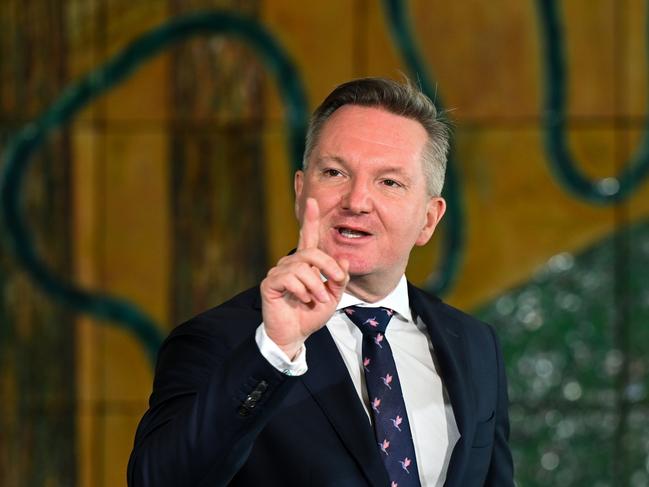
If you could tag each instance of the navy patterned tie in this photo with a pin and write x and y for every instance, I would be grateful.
(391, 425)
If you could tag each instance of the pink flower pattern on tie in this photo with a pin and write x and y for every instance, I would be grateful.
(396, 422)
(372, 322)
(387, 407)
(384, 446)
(375, 405)
(405, 463)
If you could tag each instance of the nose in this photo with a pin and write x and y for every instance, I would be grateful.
(357, 197)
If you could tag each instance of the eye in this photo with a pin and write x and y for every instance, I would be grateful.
(332, 173)
(391, 183)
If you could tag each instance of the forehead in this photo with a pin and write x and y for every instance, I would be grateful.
(371, 133)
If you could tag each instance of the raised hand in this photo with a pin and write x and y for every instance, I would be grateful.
(295, 300)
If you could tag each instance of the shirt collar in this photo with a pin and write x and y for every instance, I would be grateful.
(397, 300)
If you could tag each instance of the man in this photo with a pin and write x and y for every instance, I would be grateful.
(280, 385)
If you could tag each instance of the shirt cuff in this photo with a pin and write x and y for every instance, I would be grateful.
(276, 356)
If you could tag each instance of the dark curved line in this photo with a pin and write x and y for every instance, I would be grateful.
(32, 136)
(453, 243)
(561, 160)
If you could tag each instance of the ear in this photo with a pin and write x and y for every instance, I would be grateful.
(435, 210)
(298, 184)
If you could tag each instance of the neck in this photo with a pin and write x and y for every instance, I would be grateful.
(370, 289)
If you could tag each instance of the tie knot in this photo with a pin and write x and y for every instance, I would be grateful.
(369, 320)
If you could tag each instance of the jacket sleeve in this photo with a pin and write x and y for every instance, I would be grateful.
(211, 398)
(501, 469)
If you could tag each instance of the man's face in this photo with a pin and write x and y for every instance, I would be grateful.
(366, 175)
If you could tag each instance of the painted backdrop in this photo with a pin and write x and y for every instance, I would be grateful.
(148, 150)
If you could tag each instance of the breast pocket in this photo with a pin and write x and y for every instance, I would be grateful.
(484, 432)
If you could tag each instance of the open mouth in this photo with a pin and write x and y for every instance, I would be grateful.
(351, 233)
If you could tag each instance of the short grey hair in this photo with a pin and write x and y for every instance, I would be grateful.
(400, 99)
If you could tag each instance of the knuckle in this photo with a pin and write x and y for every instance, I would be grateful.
(304, 268)
(310, 251)
(263, 287)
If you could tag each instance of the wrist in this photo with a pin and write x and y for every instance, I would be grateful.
(291, 350)
(277, 357)
(289, 347)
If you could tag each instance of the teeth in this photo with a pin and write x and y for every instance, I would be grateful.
(351, 233)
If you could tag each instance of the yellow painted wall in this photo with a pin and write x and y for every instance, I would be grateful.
(485, 59)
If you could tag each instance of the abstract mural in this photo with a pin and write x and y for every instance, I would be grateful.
(146, 173)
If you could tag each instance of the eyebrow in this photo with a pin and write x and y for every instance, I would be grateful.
(324, 159)
(389, 169)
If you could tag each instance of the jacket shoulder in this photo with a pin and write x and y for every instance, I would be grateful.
(452, 317)
(242, 311)
(195, 348)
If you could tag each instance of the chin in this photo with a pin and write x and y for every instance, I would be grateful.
(358, 267)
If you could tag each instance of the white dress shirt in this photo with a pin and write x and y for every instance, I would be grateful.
(432, 423)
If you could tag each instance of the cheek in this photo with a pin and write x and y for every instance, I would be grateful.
(415, 234)
(327, 201)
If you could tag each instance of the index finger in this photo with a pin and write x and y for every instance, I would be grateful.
(310, 231)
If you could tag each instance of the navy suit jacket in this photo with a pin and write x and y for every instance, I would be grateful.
(220, 414)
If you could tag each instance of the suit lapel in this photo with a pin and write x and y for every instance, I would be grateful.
(328, 381)
(450, 350)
